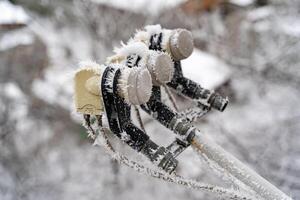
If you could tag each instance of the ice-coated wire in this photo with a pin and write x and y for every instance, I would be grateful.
(103, 141)
(223, 174)
(202, 144)
(229, 193)
(171, 97)
(139, 118)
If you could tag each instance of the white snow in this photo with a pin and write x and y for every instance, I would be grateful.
(15, 95)
(89, 64)
(242, 2)
(290, 26)
(138, 48)
(205, 69)
(153, 29)
(56, 87)
(260, 13)
(13, 39)
(11, 90)
(11, 14)
(285, 24)
(141, 6)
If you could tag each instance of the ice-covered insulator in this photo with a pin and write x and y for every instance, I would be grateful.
(181, 44)
(178, 42)
(137, 54)
(135, 85)
(161, 67)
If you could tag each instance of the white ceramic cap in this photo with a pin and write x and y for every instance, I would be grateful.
(138, 86)
(181, 44)
(161, 67)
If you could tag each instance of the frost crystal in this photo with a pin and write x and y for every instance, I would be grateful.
(11, 14)
(125, 137)
(153, 29)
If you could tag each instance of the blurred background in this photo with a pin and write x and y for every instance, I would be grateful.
(246, 49)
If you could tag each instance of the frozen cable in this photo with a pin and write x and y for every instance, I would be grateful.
(138, 115)
(171, 97)
(102, 140)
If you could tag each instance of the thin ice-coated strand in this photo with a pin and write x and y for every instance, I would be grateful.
(139, 118)
(223, 174)
(171, 98)
(102, 140)
(203, 144)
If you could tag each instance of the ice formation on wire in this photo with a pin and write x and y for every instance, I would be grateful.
(103, 141)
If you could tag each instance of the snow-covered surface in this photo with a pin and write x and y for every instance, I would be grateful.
(260, 13)
(12, 14)
(141, 6)
(56, 87)
(11, 90)
(285, 24)
(13, 39)
(206, 69)
(290, 26)
(138, 48)
(242, 2)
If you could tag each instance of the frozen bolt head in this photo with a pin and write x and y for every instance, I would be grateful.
(181, 44)
(161, 68)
